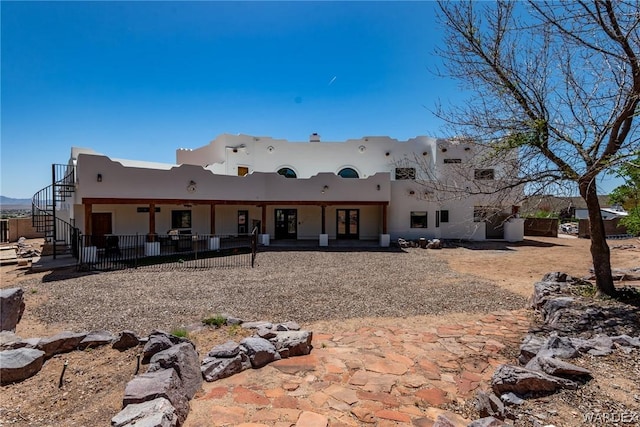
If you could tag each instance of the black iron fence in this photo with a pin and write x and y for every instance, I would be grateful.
(166, 251)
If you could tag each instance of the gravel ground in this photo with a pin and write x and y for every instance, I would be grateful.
(303, 286)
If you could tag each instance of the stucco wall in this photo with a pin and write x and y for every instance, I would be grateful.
(22, 227)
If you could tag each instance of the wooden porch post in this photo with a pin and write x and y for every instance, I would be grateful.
(324, 217)
(88, 209)
(152, 222)
(384, 219)
(212, 217)
(263, 221)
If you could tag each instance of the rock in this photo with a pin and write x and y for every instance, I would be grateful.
(152, 385)
(556, 276)
(434, 244)
(63, 342)
(287, 326)
(531, 345)
(266, 333)
(154, 413)
(488, 405)
(96, 339)
(20, 364)
(556, 367)
(228, 349)
(213, 368)
(487, 422)
(509, 378)
(443, 421)
(560, 347)
(234, 320)
(183, 358)
(11, 308)
(297, 343)
(511, 399)
(8, 340)
(626, 341)
(257, 325)
(158, 341)
(542, 292)
(553, 309)
(600, 345)
(126, 340)
(260, 351)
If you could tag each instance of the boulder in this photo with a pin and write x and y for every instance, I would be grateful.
(159, 384)
(11, 308)
(516, 379)
(214, 368)
(20, 364)
(626, 341)
(600, 345)
(154, 413)
(296, 343)
(228, 349)
(257, 325)
(266, 333)
(125, 340)
(511, 399)
(183, 358)
(287, 326)
(9, 340)
(560, 347)
(556, 367)
(260, 351)
(158, 341)
(96, 339)
(489, 405)
(63, 342)
(531, 345)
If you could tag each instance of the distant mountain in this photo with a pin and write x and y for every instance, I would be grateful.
(11, 203)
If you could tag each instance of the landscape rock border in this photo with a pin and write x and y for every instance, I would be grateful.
(571, 325)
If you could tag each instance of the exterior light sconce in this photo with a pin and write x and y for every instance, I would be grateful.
(444, 150)
(378, 187)
(387, 154)
(412, 192)
(424, 153)
(99, 177)
(235, 150)
(325, 188)
(467, 148)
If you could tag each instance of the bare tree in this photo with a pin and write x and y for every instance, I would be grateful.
(559, 83)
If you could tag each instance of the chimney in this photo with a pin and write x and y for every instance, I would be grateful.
(314, 137)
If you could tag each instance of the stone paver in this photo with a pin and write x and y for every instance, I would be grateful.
(375, 375)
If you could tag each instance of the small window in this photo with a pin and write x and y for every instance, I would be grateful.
(180, 219)
(348, 173)
(287, 173)
(483, 174)
(449, 161)
(480, 214)
(418, 220)
(243, 171)
(444, 216)
(405, 173)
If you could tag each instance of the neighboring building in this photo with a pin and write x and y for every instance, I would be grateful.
(368, 189)
(607, 213)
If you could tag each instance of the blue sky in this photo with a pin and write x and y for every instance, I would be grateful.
(139, 79)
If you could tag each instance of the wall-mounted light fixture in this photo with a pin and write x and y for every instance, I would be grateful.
(192, 182)
(412, 192)
(444, 150)
(99, 177)
(387, 154)
(325, 188)
(424, 153)
(378, 187)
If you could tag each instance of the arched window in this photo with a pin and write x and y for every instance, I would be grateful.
(348, 173)
(287, 173)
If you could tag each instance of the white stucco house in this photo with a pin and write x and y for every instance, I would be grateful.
(371, 188)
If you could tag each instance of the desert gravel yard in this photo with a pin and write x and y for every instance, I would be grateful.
(303, 286)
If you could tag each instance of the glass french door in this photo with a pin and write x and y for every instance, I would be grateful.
(347, 223)
(286, 223)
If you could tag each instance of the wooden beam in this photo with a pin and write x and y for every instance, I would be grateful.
(137, 201)
(212, 218)
(324, 219)
(384, 219)
(88, 209)
(263, 221)
(152, 219)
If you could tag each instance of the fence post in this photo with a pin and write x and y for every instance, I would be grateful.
(135, 251)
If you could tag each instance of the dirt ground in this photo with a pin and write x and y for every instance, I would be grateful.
(93, 384)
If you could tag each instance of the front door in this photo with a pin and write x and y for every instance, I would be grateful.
(286, 224)
(348, 223)
(100, 226)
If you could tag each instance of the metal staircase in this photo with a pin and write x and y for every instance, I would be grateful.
(60, 235)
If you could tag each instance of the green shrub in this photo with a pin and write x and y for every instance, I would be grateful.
(217, 320)
(180, 332)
